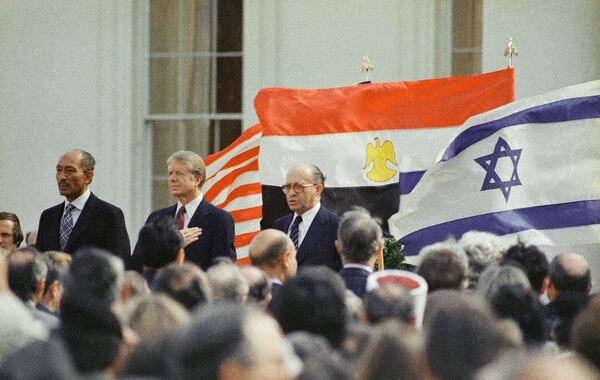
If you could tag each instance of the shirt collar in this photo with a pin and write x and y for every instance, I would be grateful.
(80, 201)
(359, 266)
(192, 205)
(276, 281)
(309, 215)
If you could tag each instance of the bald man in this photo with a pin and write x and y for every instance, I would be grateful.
(569, 285)
(273, 252)
(312, 227)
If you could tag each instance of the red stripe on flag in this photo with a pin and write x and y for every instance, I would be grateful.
(246, 214)
(247, 135)
(432, 103)
(241, 191)
(243, 261)
(244, 239)
(239, 159)
(226, 181)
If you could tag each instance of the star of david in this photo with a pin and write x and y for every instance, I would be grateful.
(488, 163)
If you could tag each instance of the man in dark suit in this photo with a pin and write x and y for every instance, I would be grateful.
(208, 232)
(312, 227)
(360, 241)
(273, 252)
(82, 219)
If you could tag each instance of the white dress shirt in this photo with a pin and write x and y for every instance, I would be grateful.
(190, 209)
(79, 204)
(307, 219)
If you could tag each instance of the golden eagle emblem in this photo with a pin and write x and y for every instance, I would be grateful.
(379, 154)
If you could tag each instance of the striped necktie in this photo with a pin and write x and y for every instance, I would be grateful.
(66, 226)
(295, 231)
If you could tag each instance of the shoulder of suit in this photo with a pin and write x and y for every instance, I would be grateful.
(99, 203)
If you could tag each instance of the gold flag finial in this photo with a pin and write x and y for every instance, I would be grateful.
(366, 67)
(510, 51)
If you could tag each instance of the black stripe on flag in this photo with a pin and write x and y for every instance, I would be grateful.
(381, 201)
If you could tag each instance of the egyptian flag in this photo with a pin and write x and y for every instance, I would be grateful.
(372, 141)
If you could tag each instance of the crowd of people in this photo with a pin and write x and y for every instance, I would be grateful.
(79, 304)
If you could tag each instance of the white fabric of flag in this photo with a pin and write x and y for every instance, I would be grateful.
(529, 168)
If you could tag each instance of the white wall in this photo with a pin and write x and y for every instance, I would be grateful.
(65, 82)
(558, 41)
(320, 43)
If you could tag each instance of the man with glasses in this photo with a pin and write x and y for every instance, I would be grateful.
(312, 227)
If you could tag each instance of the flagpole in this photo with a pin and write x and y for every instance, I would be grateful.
(510, 51)
(366, 67)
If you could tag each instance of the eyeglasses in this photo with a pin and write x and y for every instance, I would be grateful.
(297, 187)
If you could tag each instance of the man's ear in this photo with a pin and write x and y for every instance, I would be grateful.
(338, 247)
(89, 176)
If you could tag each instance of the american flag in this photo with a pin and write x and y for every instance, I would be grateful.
(233, 184)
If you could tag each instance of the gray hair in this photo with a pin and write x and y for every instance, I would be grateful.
(495, 277)
(317, 176)
(482, 249)
(359, 235)
(194, 162)
(228, 283)
(88, 163)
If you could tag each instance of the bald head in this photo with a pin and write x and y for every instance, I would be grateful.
(570, 272)
(273, 252)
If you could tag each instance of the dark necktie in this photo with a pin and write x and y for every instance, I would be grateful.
(66, 226)
(295, 231)
(180, 218)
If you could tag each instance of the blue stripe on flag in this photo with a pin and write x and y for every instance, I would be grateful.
(409, 180)
(570, 214)
(563, 110)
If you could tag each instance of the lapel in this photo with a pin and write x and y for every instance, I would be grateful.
(199, 218)
(313, 235)
(85, 219)
(55, 217)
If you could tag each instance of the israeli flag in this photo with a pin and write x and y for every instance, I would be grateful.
(530, 168)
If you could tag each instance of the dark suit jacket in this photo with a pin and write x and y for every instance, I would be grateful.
(275, 290)
(356, 280)
(100, 224)
(318, 246)
(218, 233)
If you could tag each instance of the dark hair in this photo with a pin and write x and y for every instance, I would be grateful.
(313, 301)
(186, 284)
(532, 260)
(442, 269)
(258, 283)
(461, 335)
(159, 241)
(215, 335)
(359, 235)
(17, 232)
(319, 360)
(26, 268)
(94, 273)
(389, 301)
(565, 281)
(524, 307)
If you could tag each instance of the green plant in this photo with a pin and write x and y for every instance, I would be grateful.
(393, 256)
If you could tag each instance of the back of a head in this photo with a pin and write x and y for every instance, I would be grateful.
(26, 268)
(482, 249)
(267, 247)
(391, 354)
(443, 266)
(159, 243)
(94, 274)
(570, 272)
(494, 277)
(258, 283)
(215, 334)
(523, 306)
(134, 285)
(227, 283)
(359, 236)
(313, 301)
(389, 301)
(185, 283)
(585, 334)
(532, 260)
(461, 335)
(319, 360)
(91, 331)
(155, 314)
